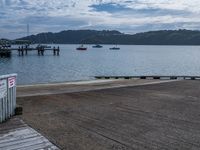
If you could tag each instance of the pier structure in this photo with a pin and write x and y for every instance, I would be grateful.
(5, 51)
(23, 50)
(151, 77)
(40, 50)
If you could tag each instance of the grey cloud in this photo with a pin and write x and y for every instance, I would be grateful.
(43, 16)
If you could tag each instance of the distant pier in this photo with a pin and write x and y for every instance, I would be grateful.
(151, 77)
(24, 50)
(5, 52)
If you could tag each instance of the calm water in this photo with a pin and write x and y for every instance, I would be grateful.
(74, 65)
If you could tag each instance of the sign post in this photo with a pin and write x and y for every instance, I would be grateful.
(11, 82)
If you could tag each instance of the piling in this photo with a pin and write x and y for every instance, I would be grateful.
(58, 51)
(54, 51)
(26, 49)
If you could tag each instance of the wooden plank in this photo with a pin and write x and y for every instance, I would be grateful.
(15, 135)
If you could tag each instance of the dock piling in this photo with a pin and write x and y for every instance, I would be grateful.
(58, 51)
(54, 51)
(22, 51)
(26, 49)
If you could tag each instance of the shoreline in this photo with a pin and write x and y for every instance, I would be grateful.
(82, 86)
(66, 83)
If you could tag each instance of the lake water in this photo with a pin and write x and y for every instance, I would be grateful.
(73, 65)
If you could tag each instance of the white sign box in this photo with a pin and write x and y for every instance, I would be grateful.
(3, 88)
(11, 82)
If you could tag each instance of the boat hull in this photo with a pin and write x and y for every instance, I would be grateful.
(97, 46)
(114, 48)
(81, 48)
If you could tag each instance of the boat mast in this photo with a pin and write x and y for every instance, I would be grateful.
(27, 30)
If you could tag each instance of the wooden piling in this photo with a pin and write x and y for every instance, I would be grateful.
(58, 51)
(22, 50)
(26, 49)
(54, 51)
(18, 50)
(42, 51)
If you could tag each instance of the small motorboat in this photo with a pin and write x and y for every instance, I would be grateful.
(81, 48)
(114, 48)
(97, 46)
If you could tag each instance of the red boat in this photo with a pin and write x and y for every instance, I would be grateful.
(81, 48)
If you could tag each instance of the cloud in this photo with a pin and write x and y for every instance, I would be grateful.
(125, 15)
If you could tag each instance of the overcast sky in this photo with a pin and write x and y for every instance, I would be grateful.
(128, 16)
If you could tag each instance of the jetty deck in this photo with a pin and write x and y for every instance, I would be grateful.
(145, 117)
(7, 52)
(15, 135)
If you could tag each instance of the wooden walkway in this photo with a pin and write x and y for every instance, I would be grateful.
(15, 135)
(151, 77)
(6, 52)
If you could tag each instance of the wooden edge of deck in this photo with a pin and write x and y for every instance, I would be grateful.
(15, 134)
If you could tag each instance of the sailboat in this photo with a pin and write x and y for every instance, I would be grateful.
(115, 48)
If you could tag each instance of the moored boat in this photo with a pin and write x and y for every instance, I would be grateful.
(115, 48)
(97, 46)
(81, 48)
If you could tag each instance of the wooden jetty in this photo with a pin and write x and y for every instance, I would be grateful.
(5, 52)
(15, 135)
(40, 50)
(151, 77)
(23, 50)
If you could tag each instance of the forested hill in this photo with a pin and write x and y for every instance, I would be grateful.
(163, 37)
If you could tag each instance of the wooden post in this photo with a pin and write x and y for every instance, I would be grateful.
(58, 51)
(38, 49)
(26, 49)
(54, 51)
(19, 50)
(22, 51)
(42, 51)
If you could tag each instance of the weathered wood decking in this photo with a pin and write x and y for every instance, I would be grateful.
(16, 135)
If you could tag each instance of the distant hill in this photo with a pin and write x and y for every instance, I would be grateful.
(162, 37)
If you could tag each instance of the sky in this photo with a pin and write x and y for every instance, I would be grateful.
(127, 16)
